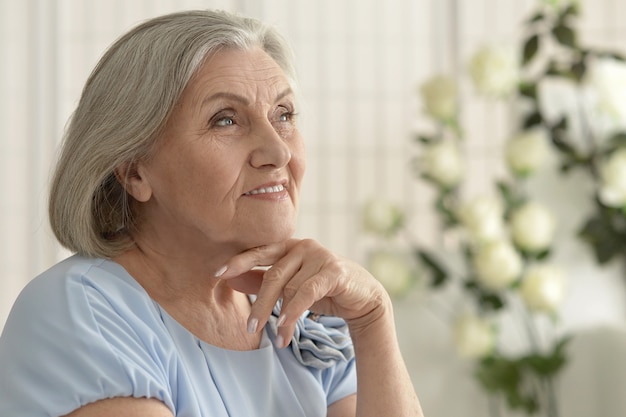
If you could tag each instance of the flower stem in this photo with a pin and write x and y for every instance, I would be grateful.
(494, 406)
(552, 407)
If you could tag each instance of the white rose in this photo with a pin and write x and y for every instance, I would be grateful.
(613, 174)
(482, 218)
(382, 218)
(497, 265)
(527, 151)
(474, 337)
(532, 227)
(607, 79)
(442, 162)
(393, 269)
(495, 70)
(559, 98)
(439, 95)
(542, 288)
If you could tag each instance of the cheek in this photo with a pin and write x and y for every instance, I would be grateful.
(182, 175)
(298, 160)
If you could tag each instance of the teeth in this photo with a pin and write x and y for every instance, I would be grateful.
(274, 189)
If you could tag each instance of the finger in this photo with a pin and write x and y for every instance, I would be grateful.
(271, 289)
(260, 256)
(306, 290)
(311, 293)
(306, 294)
(284, 335)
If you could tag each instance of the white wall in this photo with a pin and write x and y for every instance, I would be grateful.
(359, 63)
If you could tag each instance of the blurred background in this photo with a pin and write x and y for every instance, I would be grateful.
(360, 64)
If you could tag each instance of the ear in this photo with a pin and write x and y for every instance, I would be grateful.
(132, 177)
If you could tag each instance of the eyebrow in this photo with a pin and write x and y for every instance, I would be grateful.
(242, 99)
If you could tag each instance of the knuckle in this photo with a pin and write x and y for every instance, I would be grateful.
(290, 290)
(273, 274)
(308, 244)
(312, 288)
(335, 266)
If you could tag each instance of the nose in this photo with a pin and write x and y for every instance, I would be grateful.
(271, 149)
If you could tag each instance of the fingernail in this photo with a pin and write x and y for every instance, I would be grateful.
(252, 325)
(221, 271)
(279, 341)
(281, 320)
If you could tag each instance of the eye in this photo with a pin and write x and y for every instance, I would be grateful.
(224, 121)
(285, 115)
(224, 118)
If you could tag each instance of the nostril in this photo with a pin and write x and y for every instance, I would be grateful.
(271, 152)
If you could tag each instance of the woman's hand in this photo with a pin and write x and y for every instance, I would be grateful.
(308, 277)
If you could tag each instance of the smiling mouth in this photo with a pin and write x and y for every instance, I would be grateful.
(267, 190)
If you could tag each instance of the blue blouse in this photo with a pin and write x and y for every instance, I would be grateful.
(86, 330)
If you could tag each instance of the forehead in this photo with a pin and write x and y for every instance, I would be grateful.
(241, 71)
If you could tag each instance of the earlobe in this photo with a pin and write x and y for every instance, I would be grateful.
(131, 177)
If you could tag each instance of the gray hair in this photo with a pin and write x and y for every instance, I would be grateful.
(122, 111)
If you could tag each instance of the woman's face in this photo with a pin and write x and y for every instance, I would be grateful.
(229, 165)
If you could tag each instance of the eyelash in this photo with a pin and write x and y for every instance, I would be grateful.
(221, 117)
(290, 116)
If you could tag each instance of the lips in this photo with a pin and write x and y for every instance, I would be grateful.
(266, 190)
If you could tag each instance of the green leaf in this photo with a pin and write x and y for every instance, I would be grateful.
(545, 365)
(558, 138)
(567, 166)
(604, 234)
(617, 56)
(579, 69)
(528, 90)
(425, 139)
(554, 71)
(438, 273)
(506, 192)
(571, 10)
(561, 125)
(511, 198)
(539, 256)
(531, 46)
(564, 35)
(500, 375)
(496, 373)
(532, 119)
(548, 365)
(490, 302)
(442, 205)
(537, 17)
(618, 140)
(487, 300)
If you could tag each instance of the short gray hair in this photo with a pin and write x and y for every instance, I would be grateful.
(122, 111)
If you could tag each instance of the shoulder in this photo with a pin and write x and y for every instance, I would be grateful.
(58, 286)
(81, 331)
(80, 294)
(79, 290)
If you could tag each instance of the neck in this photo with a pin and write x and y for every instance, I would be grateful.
(190, 293)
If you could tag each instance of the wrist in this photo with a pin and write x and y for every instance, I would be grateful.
(379, 317)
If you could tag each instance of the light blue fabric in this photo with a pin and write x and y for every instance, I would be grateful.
(86, 330)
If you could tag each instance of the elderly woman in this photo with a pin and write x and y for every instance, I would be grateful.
(177, 187)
